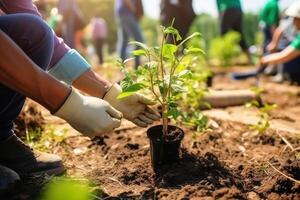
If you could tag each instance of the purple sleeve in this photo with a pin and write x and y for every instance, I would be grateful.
(26, 6)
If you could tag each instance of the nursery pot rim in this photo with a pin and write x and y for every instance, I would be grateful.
(155, 135)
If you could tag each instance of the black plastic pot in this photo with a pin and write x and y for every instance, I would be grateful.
(162, 151)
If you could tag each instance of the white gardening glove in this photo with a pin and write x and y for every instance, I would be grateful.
(89, 115)
(135, 108)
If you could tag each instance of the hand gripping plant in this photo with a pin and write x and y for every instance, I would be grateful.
(167, 76)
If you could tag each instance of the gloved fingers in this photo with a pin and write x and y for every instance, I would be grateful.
(152, 114)
(114, 113)
(144, 100)
(116, 123)
(139, 122)
(145, 119)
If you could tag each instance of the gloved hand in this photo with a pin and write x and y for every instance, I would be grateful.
(89, 115)
(135, 108)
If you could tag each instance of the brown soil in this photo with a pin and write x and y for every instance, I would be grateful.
(30, 119)
(227, 162)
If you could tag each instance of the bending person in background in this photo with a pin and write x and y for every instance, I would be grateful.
(128, 13)
(283, 36)
(290, 56)
(231, 19)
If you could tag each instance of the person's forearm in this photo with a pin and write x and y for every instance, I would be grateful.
(281, 57)
(277, 36)
(92, 84)
(273, 28)
(19, 73)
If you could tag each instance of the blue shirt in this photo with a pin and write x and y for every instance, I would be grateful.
(122, 9)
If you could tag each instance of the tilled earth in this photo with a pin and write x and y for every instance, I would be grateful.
(229, 161)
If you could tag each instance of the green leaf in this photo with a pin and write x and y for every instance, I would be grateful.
(126, 82)
(172, 31)
(139, 44)
(125, 94)
(169, 51)
(128, 60)
(173, 104)
(193, 50)
(151, 66)
(190, 37)
(139, 52)
(173, 112)
(131, 90)
(268, 107)
(177, 88)
(185, 74)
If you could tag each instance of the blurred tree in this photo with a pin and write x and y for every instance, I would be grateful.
(207, 25)
(225, 49)
(149, 28)
(250, 27)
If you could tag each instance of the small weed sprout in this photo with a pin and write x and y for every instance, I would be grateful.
(45, 140)
(168, 76)
(264, 117)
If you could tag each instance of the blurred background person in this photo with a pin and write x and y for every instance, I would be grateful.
(99, 34)
(181, 11)
(290, 56)
(128, 13)
(72, 22)
(269, 20)
(283, 36)
(231, 19)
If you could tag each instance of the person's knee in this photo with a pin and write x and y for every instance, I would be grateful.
(26, 30)
(32, 35)
(37, 29)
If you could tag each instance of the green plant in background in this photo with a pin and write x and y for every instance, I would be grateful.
(149, 27)
(226, 48)
(69, 189)
(250, 28)
(191, 100)
(45, 140)
(167, 76)
(208, 24)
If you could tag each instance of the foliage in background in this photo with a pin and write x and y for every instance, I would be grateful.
(45, 140)
(69, 189)
(208, 25)
(167, 76)
(250, 28)
(150, 30)
(204, 23)
(226, 48)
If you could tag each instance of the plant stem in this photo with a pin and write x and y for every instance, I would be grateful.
(164, 119)
(164, 92)
(152, 83)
